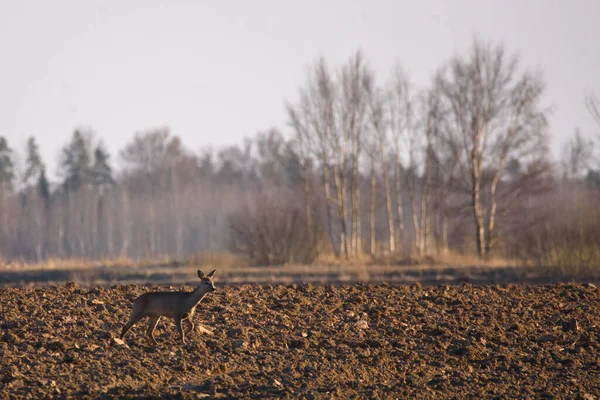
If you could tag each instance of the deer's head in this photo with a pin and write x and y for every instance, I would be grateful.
(206, 282)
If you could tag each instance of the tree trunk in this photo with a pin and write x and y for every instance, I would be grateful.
(98, 236)
(39, 223)
(476, 202)
(424, 229)
(399, 202)
(152, 233)
(492, 220)
(353, 211)
(63, 227)
(126, 224)
(388, 198)
(3, 220)
(328, 216)
(424, 223)
(413, 209)
(373, 244)
(341, 206)
(60, 251)
(491, 239)
(356, 236)
(444, 233)
(178, 211)
(307, 198)
(110, 228)
(81, 209)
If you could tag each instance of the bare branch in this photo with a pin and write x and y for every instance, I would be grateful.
(593, 105)
(494, 115)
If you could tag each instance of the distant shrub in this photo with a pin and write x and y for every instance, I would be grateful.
(570, 239)
(272, 230)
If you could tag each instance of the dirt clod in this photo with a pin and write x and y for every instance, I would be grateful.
(202, 329)
(118, 342)
(56, 345)
(570, 325)
(239, 344)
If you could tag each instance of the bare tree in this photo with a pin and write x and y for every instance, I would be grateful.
(331, 116)
(147, 152)
(372, 208)
(593, 105)
(442, 155)
(314, 120)
(576, 156)
(430, 124)
(473, 147)
(495, 115)
(379, 122)
(303, 142)
(401, 120)
(356, 80)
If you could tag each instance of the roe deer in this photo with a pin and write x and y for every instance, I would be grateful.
(180, 306)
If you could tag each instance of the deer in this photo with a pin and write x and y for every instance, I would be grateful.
(180, 306)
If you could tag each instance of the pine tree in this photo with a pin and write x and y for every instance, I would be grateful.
(101, 170)
(34, 164)
(43, 186)
(7, 175)
(7, 168)
(75, 161)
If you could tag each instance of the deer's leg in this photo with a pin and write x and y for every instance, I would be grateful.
(151, 328)
(134, 318)
(191, 325)
(179, 328)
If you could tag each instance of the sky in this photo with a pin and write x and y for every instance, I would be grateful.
(217, 71)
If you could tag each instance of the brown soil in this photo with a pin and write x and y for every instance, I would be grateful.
(359, 341)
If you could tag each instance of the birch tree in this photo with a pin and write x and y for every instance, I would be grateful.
(431, 115)
(356, 81)
(313, 119)
(401, 121)
(496, 114)
(379, 123)
(303, 143)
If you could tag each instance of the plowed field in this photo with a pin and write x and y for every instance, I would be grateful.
(272, 341)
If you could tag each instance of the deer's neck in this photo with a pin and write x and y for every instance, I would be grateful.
(195, 297)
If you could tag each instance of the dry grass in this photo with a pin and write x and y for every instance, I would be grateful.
(78, 263)
(450, 269)
(227, 262)
(456, 259)
(446, 259)
(215, 259)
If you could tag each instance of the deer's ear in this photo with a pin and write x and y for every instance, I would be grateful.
(211, 273)
(201, 274)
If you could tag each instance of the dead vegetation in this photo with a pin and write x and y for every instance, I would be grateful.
(369, 341)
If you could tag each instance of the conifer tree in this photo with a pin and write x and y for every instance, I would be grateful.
(33, 163)
(75, 161)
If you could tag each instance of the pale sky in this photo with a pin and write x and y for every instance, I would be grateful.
(216, 71)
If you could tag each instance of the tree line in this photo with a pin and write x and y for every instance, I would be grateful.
(363, 167)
